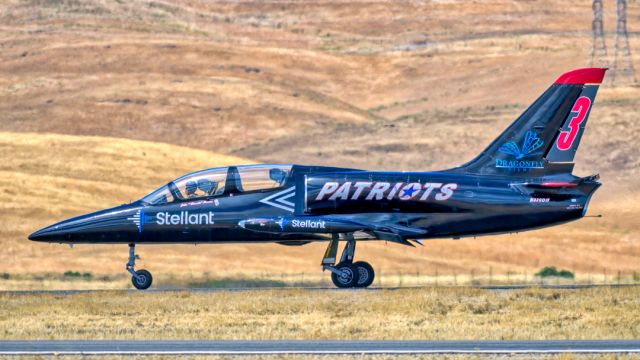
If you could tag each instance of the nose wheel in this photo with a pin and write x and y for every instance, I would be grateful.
(347, 274)
(140, 279)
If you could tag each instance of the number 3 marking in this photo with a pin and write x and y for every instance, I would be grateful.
(566, 138)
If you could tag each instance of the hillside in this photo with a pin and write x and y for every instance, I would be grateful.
(46, 178)
(383, 85)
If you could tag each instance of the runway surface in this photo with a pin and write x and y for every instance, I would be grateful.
(210, 290)
(178, 347)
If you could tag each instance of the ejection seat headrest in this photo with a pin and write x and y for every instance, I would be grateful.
(233, 185)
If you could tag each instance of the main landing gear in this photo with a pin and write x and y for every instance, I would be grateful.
(347, 274)
(141, 279)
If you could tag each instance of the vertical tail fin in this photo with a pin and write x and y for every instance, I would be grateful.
(545, 138)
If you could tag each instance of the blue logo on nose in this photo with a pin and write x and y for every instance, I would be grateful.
(139, 219)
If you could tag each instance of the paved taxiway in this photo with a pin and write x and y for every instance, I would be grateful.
(183, 347)
(211, 290)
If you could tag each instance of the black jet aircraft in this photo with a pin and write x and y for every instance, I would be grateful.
(523, 180)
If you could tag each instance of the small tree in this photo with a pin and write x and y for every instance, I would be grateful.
(551, 271)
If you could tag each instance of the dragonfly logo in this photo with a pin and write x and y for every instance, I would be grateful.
(530, 144)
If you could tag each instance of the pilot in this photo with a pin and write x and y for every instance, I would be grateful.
(191, 188)
(207, 186)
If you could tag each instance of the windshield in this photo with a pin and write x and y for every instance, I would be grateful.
(220, 181)
(159, 197)
(191, 186)
(201, 184)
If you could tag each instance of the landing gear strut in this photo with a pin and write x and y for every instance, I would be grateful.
(347, 274)
(141, 279)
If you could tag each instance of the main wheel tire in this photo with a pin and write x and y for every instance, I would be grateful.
(143, 280)
(348, 277)
(366, 274)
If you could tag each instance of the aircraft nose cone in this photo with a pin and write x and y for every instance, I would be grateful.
(109, 225)
(50, 233)
(39, 235)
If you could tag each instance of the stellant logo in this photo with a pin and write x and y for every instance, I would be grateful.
(530, 144)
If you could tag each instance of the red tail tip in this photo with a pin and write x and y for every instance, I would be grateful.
(582, 76)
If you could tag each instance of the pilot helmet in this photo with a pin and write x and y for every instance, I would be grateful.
(191, 187)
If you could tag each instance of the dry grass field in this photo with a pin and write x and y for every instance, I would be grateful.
(437, 314)
(147, 90)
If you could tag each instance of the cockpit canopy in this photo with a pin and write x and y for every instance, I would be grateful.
(221, 181)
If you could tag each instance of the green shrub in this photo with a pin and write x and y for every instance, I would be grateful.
(78, 275)
(551, 271)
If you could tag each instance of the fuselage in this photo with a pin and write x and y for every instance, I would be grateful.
(314, 202)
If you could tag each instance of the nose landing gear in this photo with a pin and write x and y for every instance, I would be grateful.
(141, 279)
(347, 274)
